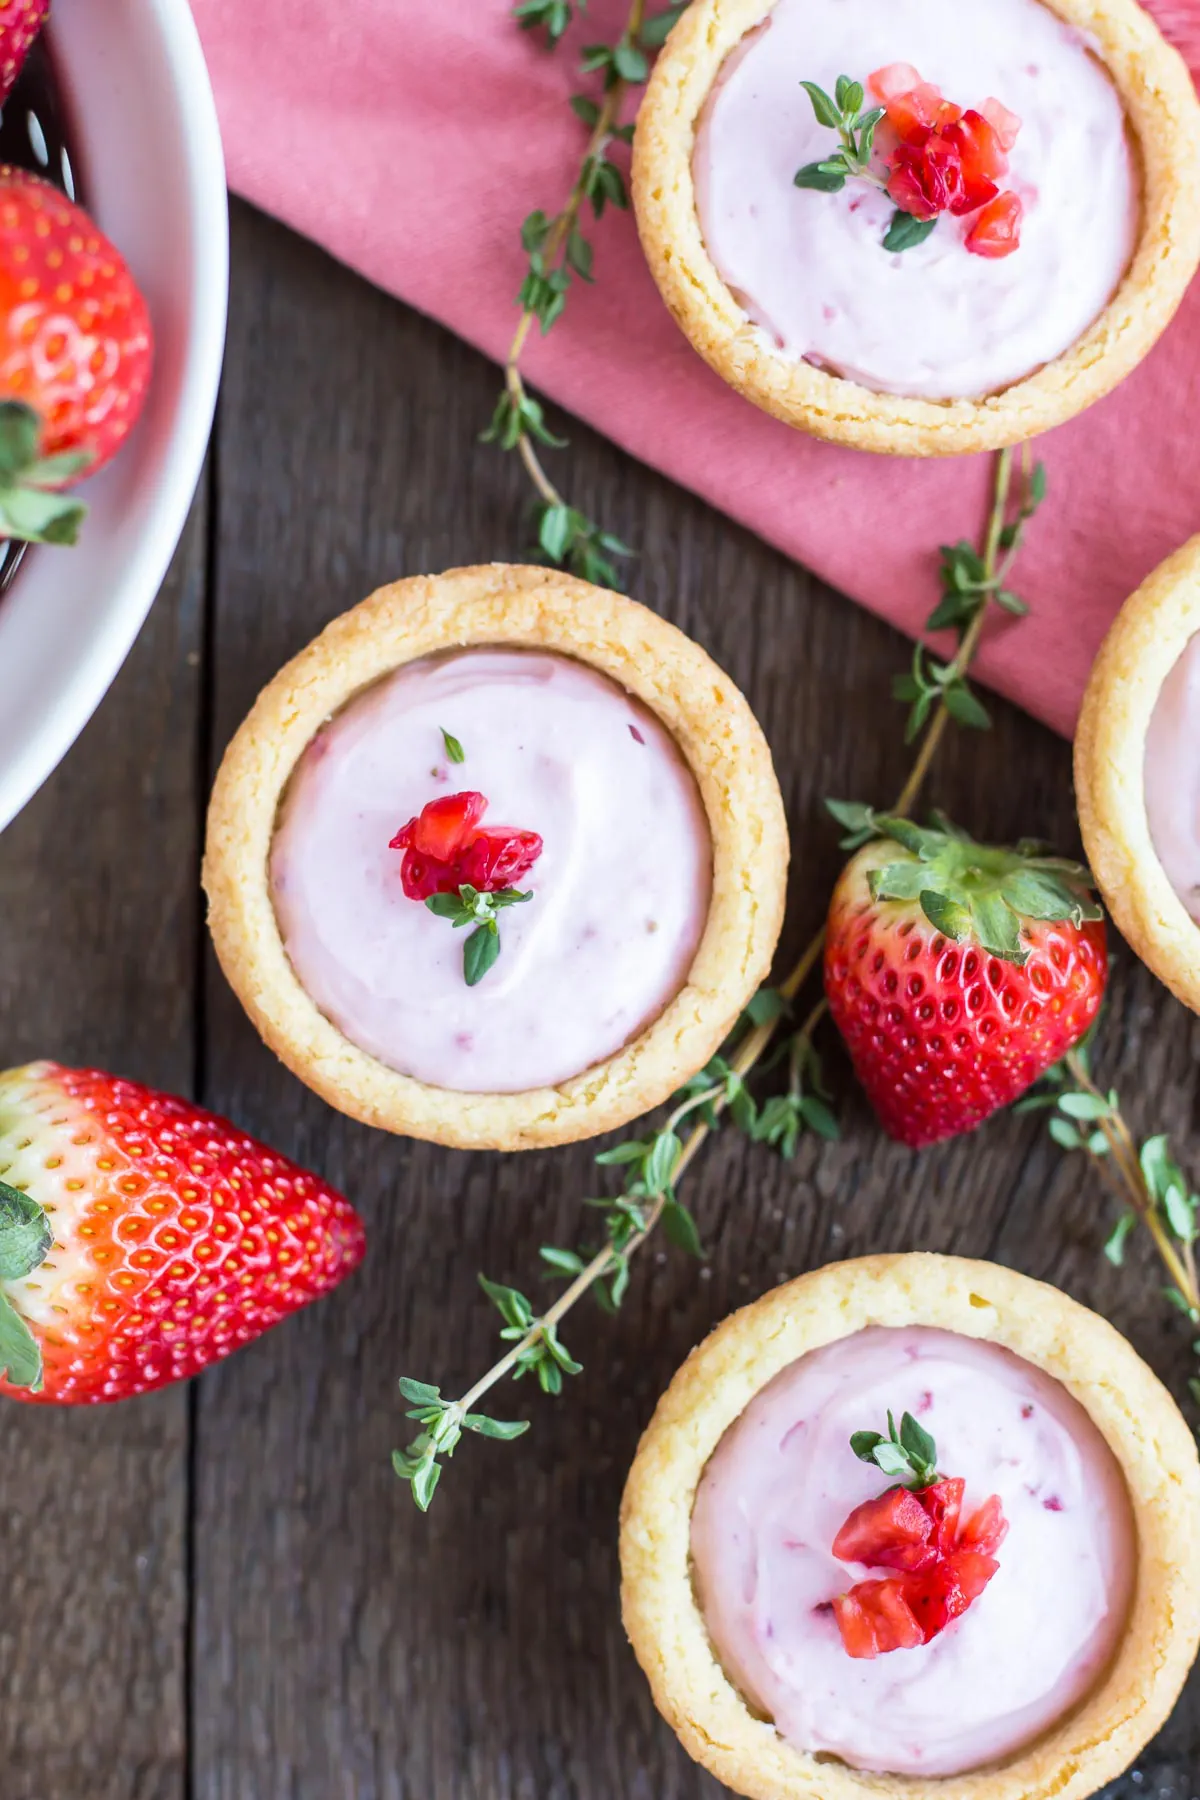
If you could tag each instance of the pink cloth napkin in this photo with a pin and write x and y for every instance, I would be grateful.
(411, 138)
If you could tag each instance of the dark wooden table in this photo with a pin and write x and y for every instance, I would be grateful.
(221, 1592)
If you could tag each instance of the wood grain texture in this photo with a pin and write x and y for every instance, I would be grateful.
(345, 1648)
(97, 965)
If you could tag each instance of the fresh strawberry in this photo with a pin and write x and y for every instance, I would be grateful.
(997, 230)
(20, 22)
(956, 973)
(75, 356)
(142, 1239)
(893, 1531)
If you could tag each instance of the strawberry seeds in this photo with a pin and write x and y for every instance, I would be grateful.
(941, 1566)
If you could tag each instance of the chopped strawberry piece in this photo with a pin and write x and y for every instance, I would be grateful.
(981, 157)
(926, 179)
(997, 230)
(875, 1617)
(445, 825)
(1004, 123)
(972, 1572)
(893, 78)
(498, 857)
(986, 1529)
(942, 1504)
(915, 115)
(423, 876)
(893, 1531)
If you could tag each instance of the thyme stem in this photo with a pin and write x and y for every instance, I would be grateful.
(757, 1039)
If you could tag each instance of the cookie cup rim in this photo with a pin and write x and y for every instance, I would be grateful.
(1161, 106)
(1143, 644)
(514, 607)
(1126, 1401)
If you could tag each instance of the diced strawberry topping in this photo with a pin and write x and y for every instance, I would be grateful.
(1004, 123)
(875, 1617)
(942, 1504)
(942, 1566)
(499, 857)
(981, 159)
(893, 78)
(914, 108)
(986, 1529)
(997, 230)
(442, 827)
(891, 1532)
(421, 876)
(444, 849)
(927, 179)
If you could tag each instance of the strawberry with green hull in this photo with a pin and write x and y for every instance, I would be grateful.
(76, 349)
(142, 1239)
(20, 22)
(956, 973)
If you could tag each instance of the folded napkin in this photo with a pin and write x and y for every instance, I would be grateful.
(411, 139)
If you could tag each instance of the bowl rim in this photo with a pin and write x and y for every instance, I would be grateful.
(178, 473)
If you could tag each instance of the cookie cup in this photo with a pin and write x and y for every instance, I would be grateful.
(496, 605)
(1164, 116)
(1146, 640)
(1130, 1407)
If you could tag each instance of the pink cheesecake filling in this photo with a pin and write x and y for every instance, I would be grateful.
(620, 891)
(1172, 777)
(784, 1479)
(933, 321)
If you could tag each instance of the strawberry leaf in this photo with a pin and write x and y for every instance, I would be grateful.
(20, 1352)
(25, 1235)
(998, 927)
(945, 915)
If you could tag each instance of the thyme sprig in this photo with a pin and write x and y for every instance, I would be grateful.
(559, 252)
(973, 581)
(907, 1455)
(1144, 1178)
(844, 113)
(471, 906)
(654, 1164)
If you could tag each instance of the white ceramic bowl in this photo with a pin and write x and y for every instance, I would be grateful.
(143, 123)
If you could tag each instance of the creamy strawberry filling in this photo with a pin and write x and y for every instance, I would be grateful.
(935, 321)
(618, 890)
(1040, 1623)
(1172, 777)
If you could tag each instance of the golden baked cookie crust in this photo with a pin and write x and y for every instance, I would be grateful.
(1129, 1405)
(1161, 105)
(498, 604)
(1146, 640)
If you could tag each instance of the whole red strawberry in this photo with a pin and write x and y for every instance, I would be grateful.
(76, 349)
(957, 973)
(142, 1239)
(20, 22)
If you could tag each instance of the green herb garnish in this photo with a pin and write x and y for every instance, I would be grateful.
(471, 907)
(908, 1455)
